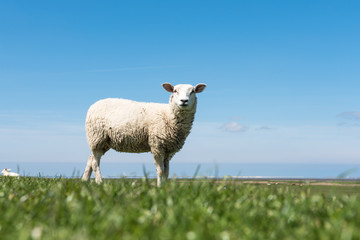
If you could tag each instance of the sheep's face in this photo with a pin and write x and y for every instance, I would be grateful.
(184, 95)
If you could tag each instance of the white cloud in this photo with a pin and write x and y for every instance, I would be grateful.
(353, 116)
(234, 127)
(349, 119)
(348, 124)
(264, 128)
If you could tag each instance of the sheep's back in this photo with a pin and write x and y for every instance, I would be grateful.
(122, 124)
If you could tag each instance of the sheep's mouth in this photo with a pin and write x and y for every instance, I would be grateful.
(183, 105)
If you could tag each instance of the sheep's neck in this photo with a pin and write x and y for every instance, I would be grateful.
(183, 121)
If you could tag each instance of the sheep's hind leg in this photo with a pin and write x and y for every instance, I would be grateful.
(95, 165)
(88, 169)
(166, 168)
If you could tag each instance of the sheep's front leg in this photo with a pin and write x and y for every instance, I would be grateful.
(167, 165)
(160, 169)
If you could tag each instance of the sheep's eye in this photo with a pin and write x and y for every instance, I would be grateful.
(174, 91)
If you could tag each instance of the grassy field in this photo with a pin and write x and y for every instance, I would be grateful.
(40, 208)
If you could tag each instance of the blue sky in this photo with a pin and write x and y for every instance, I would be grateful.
(283, 76)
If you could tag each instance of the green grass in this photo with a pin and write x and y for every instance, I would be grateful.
(40, 208)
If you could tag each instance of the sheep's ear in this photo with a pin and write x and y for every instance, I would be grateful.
(200, 87)
(168, 87)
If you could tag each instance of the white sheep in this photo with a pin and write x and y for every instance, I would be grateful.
(137, 127)
(6, 172)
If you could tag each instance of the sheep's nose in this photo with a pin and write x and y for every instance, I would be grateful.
(184, 100)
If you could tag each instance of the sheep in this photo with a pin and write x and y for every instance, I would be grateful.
(6, 172)
(137, 127)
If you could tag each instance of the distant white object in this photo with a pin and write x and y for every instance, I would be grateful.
(6, 172)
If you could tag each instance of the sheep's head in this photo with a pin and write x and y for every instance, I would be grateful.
(184, 95)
